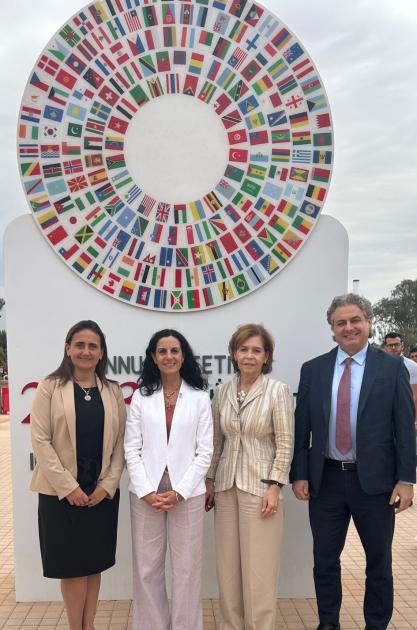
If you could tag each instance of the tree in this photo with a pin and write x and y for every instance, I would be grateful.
(399, 313)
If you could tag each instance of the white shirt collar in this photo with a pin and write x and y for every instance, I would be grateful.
(359, 357)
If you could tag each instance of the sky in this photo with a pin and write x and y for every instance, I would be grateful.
(366, 54)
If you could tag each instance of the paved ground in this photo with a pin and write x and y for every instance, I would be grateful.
(296, 614)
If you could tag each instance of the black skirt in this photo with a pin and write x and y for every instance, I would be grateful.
(77, 541)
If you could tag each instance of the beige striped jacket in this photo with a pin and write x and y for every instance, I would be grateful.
(254, 442)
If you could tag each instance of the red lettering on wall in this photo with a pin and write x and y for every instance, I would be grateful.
(31, 385)
(132, 386)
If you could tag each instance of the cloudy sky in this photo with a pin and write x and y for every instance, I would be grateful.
(366, 53)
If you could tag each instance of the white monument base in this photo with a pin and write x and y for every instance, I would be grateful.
(45, 298)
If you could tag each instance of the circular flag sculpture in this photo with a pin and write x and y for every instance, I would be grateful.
(176, 155)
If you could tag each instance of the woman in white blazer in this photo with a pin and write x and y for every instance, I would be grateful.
(168, 449)
(253, 447)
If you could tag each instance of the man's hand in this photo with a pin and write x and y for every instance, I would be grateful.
(405, 493)
(300, 489)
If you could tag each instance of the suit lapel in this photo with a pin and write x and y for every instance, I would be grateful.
(159, 408)
(326, 379)
(67, 392)
(107, 404)
(178, 411)
(255, 391)
(232, 393)
(369, 374)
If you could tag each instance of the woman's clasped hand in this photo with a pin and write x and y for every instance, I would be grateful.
(163, 501)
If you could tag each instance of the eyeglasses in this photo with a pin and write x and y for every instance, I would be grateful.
(393, 345)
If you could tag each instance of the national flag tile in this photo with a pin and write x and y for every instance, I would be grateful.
(299, 174)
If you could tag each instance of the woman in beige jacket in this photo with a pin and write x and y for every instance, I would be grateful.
(77, 423)
(253, 446)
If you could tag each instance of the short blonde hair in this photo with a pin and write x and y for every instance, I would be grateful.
(243, 333)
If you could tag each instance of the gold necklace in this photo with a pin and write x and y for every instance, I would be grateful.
(241, 394)
(169, 395)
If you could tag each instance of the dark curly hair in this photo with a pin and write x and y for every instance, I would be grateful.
(150, 377)
(65, 370)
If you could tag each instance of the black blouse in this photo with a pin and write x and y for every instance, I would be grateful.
(89, 431)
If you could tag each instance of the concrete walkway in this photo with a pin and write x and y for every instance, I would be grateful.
(296, 614)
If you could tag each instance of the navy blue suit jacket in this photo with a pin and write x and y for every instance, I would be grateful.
(385, 437)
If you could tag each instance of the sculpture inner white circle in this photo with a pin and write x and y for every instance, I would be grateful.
(176, 148)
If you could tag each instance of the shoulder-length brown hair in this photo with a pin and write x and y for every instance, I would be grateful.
(65, 370)
(243, 333)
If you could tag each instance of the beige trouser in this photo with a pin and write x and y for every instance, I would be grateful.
(247, 558)
(182, 528)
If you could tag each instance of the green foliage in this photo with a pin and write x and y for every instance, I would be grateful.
(398, 313)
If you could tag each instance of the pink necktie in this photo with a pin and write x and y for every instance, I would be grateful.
(343, 433)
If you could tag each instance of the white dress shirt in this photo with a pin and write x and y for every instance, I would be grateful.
(412, 369)
(357, 369)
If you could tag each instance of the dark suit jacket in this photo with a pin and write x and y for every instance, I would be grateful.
(385, 437)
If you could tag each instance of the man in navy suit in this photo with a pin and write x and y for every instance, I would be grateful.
(354, 457)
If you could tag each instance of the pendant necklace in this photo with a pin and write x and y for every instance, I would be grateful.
(168, 396)
(241, 394)
(87, 396)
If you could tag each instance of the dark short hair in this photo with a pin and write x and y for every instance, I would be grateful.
(413, 349)
(350, 299)
(243, 333)
(393, 335)
(150, 377)
(65, 370)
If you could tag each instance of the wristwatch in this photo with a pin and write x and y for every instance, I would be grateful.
(271, 482)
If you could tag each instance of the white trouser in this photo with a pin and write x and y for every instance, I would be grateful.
(182, 529)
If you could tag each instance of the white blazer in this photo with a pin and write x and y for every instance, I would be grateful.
(188, 453)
